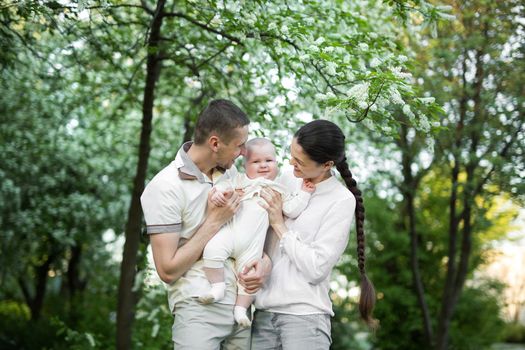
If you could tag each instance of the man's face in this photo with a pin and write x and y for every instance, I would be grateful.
(261, 162)
(228, 152)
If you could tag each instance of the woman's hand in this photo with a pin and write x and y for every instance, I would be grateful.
(274, 207)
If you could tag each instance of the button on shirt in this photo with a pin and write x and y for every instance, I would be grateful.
(304, 258)
(174, 202)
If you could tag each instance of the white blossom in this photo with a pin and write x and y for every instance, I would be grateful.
(368, 123)
(395, 96)
(359, 92)
(272, 26)
(402, 58)
(427, 100)
(250, 19)
(363, 46)
(430, 144)
(193, 82)
(331, 68)
(320, 97)
(216, 20)
(424, 124)
(309, 20)
(381, 102)
(328, 49)
(313, 48)
(319, 40)
(304, 57)
(284, 29)
(362, 65)
(408, 112)
(362, 104)
(374, 62)
(399, 74)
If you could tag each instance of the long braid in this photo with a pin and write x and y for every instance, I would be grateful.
(324, 141)
(367, 298)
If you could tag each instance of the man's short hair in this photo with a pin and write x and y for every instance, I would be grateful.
(221, 117)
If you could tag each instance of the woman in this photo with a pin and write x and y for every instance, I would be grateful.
(293, 307)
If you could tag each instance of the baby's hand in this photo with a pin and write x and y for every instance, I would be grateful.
(220, 199)
(308, 186)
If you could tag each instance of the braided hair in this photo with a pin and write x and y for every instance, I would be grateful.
(324, 141)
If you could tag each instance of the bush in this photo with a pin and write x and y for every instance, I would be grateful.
(514, 333)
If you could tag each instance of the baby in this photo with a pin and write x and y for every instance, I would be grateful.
(243, 237)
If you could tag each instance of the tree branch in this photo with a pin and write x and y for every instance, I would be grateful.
(203, 26)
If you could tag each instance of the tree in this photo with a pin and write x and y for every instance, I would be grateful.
(471, 69)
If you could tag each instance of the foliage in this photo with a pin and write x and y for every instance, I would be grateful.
(481, 304)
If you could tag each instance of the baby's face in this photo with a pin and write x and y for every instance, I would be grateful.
(261, 162)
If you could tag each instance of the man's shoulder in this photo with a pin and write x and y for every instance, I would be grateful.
(232, 172)
(164, 180)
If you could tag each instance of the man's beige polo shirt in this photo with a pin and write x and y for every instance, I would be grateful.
(174, 202)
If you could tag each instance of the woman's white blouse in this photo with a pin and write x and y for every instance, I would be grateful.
(304, 258)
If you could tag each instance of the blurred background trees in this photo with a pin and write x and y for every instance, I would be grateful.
(97, 96)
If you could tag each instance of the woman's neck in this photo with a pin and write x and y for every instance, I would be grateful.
(321, 177)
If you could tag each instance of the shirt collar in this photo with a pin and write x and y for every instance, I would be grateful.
(187, 168)
(327, 184)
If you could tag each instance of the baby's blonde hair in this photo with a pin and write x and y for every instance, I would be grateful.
(257, 142)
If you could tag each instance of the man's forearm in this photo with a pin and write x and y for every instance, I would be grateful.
(184, 257)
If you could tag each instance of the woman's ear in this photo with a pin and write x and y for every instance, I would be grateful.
(328, 165)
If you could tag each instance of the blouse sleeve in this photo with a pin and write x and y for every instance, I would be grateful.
(295, 203)
(316, 259)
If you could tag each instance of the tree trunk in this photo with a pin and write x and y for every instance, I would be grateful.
(36, 301)
(409, 188)
(127, 299)
(73, 280)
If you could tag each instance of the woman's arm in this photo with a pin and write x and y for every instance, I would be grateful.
(316, 259)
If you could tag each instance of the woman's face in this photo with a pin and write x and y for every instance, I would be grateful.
(306, 168)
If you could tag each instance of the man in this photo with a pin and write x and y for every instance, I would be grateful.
(181, 219)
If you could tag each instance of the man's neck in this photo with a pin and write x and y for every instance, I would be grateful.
(202, 157)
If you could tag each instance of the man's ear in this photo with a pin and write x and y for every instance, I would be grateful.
(213, 142)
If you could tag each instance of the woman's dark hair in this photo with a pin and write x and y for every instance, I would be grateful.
(323, 141)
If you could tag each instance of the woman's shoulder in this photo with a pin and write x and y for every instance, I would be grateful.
(342, 193)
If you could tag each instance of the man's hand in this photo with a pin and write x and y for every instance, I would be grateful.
(219, 215)
(255, 274)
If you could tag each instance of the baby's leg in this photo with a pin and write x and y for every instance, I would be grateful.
(251, 227)
(218, 288)
(240, 311)
(215, 253)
